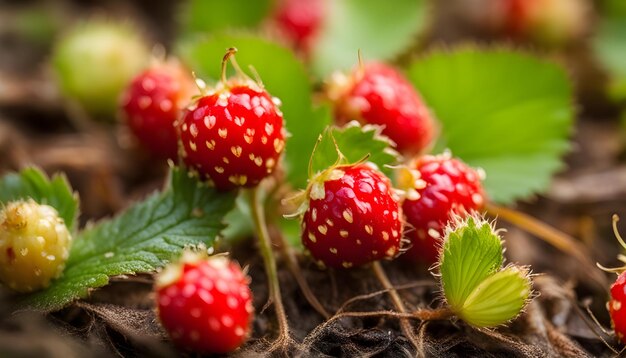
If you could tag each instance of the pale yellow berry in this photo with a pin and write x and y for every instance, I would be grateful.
(34, 245)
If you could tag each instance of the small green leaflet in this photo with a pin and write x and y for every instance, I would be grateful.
(283, 75)
(355, 142)
(142, 239)
(380, 29)
(474, 284)
(33, 183)
(506, 112)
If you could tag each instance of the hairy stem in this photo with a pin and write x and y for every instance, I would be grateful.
(265, 246)
(422, 314)
(551, 235)
(437, 314)
(405, 324)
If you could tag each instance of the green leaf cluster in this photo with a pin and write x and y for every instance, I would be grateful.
(476, 287)
(142, 239)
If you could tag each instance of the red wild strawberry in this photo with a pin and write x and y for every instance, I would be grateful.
(353, 217)
(204, 303)
(300, 21)
(376, 93)
(233, 135)
(152, 103)
(438, 188)
(617, 307)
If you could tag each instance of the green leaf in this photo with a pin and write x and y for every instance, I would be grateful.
(355, 142)
(33, 183)
(471, 253)
(238, 221)
(291, 231)
(381, 29)
(498, 299)
(506, 112)
(610, 46)
(283, 75)
(142, 239)
(206, 16)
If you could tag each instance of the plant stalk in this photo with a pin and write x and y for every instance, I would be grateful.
(265, 246)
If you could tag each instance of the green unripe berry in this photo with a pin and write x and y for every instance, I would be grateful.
(34, 245)
(95, 61)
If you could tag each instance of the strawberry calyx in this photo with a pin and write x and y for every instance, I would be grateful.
(223, 87)
(341, 83)
(14, 216)
(190, 256)
(316, 187)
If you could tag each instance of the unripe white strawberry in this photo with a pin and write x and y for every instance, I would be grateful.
(34, 245)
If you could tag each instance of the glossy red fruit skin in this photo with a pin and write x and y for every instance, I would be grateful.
(358, 221)
(378, 94)
(617, 307)
(300, 21)
(234, 136)
(152, 103)
(208, 309)
(447, 187)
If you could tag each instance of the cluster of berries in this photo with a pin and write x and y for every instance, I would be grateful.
(353, 215)
(234, 136)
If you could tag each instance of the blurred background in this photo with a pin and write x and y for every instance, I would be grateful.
(60, 91)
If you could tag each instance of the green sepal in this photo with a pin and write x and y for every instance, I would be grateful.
(355, 142)
(35, 184)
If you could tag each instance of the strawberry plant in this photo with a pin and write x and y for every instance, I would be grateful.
(140, 240)
(360, 199)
